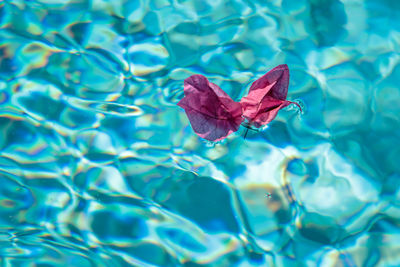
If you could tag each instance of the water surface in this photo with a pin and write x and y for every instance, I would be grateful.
(99, 167)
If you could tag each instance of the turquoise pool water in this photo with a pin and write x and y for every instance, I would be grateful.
(100, 167)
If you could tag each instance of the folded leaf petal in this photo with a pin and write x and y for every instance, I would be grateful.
(267, 96)
(211, 112)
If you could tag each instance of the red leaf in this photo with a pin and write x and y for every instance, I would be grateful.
(267, 96)
(211, 112)
(214, 115)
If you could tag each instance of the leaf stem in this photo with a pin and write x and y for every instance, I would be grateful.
(245, 134)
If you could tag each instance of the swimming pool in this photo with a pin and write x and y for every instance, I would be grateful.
(100, 167)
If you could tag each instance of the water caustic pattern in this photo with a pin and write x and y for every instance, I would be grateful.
(100, 167)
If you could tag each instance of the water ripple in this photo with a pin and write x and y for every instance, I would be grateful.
(101, 168)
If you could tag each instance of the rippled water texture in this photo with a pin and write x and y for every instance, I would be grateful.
(100, 167)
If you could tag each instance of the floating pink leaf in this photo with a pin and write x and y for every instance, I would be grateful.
(214, 115)
(211, 112)
(267, 96)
